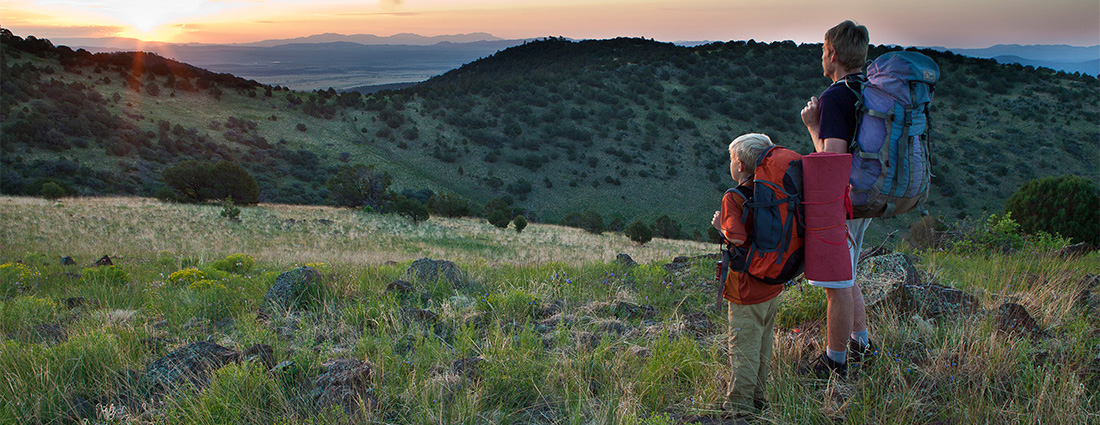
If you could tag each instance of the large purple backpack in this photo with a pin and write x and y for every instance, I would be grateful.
(891, 169)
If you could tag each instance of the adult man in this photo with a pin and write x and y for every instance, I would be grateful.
(831, 122)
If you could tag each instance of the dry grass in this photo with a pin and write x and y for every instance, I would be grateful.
(286, 234)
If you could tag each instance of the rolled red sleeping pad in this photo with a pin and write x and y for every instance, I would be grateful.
(825, 183)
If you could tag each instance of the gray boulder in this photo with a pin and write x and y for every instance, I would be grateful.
(427, 270)
(192, 363)
(294, 289)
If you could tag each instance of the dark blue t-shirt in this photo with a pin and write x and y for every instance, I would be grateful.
(838, 110)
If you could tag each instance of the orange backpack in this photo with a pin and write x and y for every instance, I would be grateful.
(774, 251)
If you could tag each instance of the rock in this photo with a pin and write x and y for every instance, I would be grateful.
(399, 287)
(46, 333)
(698, 324)
(627, 310)
(587, 341)
(420, 315)
(640, 351)
(1076, 250)
(344, 383)
(625, 260)
(191, 363)
(79, 408)
(427, 270)
(1014, 318)
(931, 300)
(469, 367)
(263, 353)
(294, 289)
(612, 325)
(552, 309)
(105, 261)
(892, 280)
(68, 261)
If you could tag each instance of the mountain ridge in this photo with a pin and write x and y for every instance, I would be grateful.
(629, 128)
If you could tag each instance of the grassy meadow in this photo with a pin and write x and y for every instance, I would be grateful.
(538, 317)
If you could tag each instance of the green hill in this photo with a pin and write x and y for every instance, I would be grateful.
(629, 128)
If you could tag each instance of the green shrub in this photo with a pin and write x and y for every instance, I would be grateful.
(52, 191)
(520, 222)
(639, 232)
(230, 211)
(591, 221)
(235, 263)
(110, 275)
(499, 218)
(1066, 205)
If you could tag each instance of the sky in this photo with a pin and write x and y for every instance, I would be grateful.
(948, 23)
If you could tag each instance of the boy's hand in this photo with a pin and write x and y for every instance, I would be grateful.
(811, 115)
(717, 221)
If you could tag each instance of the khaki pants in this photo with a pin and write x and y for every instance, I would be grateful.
(751, 336)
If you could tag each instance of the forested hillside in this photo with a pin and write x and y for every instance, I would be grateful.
(630, 129)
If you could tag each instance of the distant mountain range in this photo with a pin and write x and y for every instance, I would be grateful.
(347, 62)
(1085, 60)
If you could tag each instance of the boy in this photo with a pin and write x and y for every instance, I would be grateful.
(752, 304)
(831, 123)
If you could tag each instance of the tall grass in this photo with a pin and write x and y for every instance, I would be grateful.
(528, 337)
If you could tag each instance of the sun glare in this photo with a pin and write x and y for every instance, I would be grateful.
(147, 19)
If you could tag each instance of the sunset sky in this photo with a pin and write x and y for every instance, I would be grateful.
(950, 23)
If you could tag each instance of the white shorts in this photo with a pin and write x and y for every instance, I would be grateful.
(856, 228)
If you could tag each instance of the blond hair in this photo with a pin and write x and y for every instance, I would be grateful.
(747, 148)
(849, 41)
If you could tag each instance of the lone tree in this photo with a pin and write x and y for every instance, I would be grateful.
(359, 186)
(521, 223)
(199, 181)
(1067, 205)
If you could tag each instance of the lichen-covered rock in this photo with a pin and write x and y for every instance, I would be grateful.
(698, 324)
(262, 353)
(399, 287)
(627, 310)
(892, 280)
(1014, 318)
(192, 363)
(427, 270)
(344, 383)
(625, 260)
(294, 289)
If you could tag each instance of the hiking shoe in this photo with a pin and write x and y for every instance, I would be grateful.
(823, 366)
(861, 354)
